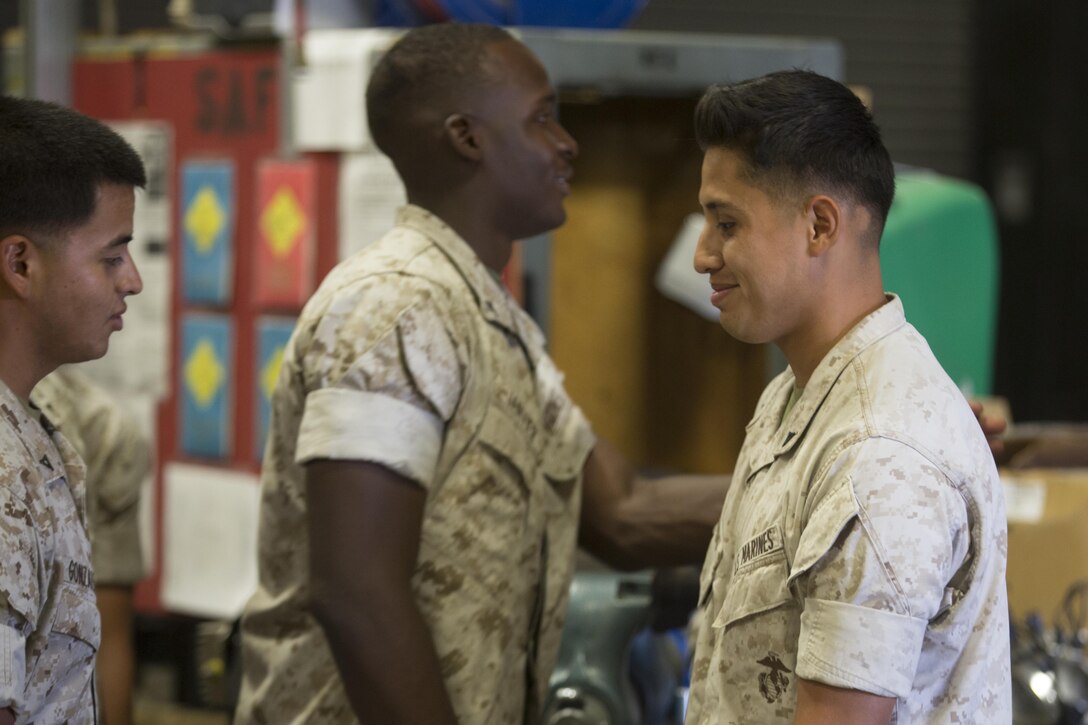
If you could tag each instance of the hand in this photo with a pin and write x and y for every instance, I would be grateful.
(993, 426)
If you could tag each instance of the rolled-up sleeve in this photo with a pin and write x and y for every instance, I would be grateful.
(359, 425)
(388, 383)
(859, 648)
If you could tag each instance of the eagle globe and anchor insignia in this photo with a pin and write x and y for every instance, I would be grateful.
(774, 681)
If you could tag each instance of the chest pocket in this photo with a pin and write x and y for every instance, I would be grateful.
(757, 588)
(509, 446)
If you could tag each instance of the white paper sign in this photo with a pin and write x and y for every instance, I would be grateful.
(370, 192)
(209, 540)
(328, 90)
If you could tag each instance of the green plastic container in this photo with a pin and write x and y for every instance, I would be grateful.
(939, 253)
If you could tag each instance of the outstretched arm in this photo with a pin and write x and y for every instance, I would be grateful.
(629, 521)
(364, 523)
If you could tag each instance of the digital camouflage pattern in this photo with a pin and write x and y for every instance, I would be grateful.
(412, 355)
(50, 628)
(862, 545)
(117, 455)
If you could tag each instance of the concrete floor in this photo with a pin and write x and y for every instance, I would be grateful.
(157, 713)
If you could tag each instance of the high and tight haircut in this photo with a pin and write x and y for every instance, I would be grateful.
(52, 162)
(797, 130)
(432, 65)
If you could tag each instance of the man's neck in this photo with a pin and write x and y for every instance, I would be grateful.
(17, 372)
(463, 217)
(805, 349)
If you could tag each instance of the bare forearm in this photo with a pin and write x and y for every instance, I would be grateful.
(668, 521)
(386, 660)
(631, 522)
(819, 704)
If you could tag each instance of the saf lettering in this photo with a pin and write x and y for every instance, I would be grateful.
(234, 102)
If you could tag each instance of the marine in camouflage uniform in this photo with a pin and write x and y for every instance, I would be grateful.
(427, 477)
(66, 212)
(857, 571)
(50, 627)
(411, 354)
(861, 545)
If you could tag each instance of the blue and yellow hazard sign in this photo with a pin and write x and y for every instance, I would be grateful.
(205, 369)
(207, 230)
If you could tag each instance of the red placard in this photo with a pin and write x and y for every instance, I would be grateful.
(286, 209)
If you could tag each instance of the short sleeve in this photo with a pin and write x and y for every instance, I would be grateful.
(883, 574)
(118, 457)
(115, 546)
(115, 473)
(396, 391)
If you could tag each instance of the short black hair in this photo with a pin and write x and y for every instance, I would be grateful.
(429, 68)
(796, 130)
(52, 161)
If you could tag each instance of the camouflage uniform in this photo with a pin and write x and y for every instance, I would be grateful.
(50, 627)
(861, 545)
(413, 356)
(118, 457)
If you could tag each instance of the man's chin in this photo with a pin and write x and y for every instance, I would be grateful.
(544, 227)
(91, 352)
(739, 332)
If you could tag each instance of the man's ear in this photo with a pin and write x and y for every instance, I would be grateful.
(461, 133)
(16, 255)
(825, 224)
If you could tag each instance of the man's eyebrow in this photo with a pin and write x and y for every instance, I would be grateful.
(719, 205)
(123, 239)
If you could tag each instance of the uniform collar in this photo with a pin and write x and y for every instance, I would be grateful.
(495, 303)
(15, 412)
(881, 322)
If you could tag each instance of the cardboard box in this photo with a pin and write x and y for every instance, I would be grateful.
(1048, 538)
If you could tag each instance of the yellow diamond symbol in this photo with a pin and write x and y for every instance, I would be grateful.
(271, 372)
(281, 221)
(205, 218)
(204, 373)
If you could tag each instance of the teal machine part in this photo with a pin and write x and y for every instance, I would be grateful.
(939, 253)
(591, 683)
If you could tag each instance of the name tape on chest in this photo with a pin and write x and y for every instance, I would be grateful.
(760, 546)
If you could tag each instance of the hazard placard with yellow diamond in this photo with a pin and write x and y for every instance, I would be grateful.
(207, 229)
(286, 216)
(205, 372)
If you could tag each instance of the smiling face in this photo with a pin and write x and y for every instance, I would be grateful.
(82, 280)
(753, 248)
(527, 153)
